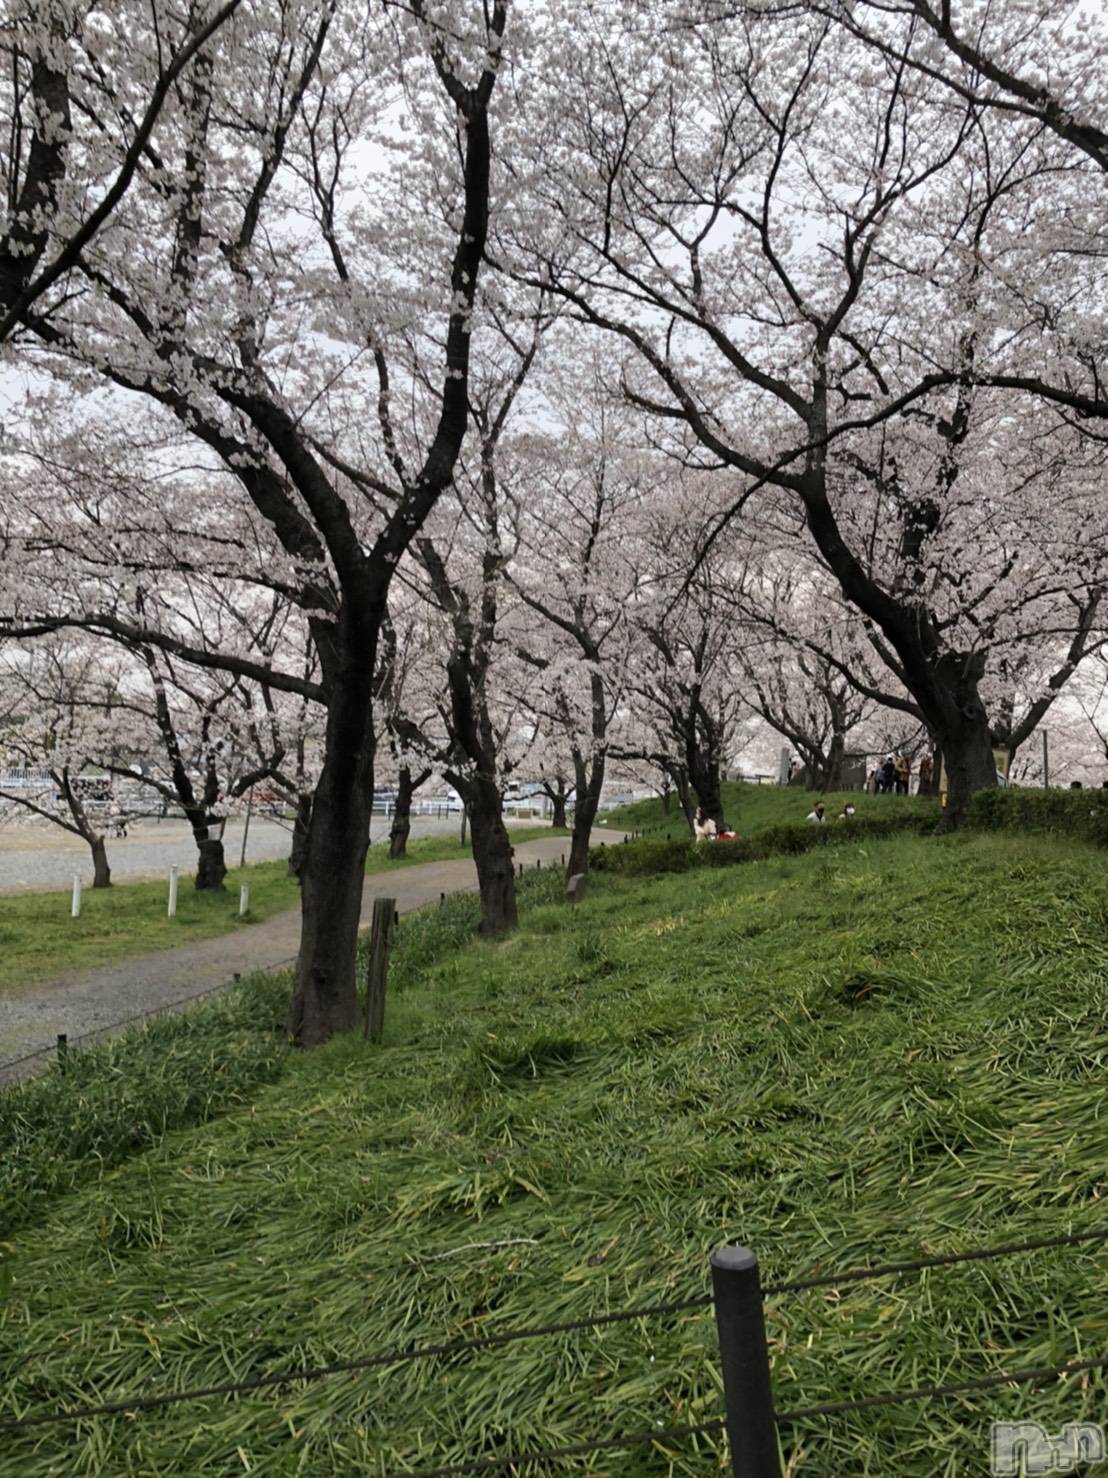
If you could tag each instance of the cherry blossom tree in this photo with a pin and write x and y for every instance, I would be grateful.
(66, 702)
(253, 238)
(771, 223)
(577, 573)
(80, 96)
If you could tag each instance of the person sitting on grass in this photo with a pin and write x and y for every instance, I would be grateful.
(704, 827)
(846, 813)
(816, 814)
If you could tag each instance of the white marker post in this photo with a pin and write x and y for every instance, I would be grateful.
(75, 910)
(173, 891)
(244, 900)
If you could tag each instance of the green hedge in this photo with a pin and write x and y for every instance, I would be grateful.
(1074, 813)
(643, 859)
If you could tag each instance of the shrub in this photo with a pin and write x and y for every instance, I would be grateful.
(1074, 813)
(643, 859)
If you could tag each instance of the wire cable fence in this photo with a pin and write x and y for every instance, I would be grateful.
(737, 1297)
(65, 1044)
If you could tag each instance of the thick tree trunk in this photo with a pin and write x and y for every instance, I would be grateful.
(300, 825)
(492, 852)
(833, 769)
(558, 821)
(706, 783)
(589, 787)
(968, 753)
(402, 815)
(101, 872)
(211, 867)
(325, 997)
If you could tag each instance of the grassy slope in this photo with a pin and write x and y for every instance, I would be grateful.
(39, 940)
(885, 1050)
(751, 807)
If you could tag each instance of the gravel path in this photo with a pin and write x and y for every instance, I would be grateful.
(43, 857)
(89, 1000)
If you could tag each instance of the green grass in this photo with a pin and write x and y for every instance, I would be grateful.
(864, 1054)
(753, 807)
(39, 940)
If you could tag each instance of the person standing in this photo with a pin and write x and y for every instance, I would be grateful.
(886, 776)
(925, 772)
(903, 773)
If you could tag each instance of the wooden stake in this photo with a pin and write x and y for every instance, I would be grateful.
(380, 929)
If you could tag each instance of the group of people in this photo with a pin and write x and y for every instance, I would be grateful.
(894, 775)
(818, 813)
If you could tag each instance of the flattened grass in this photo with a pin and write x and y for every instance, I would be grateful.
(866, 1054)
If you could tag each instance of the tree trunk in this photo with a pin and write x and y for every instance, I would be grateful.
(706, 783)
(684, 796)
(492, 852)
(211, 866)
(558, 821)
(968, 754)
(300, 825)
(402, 815)
(325, 996)
(588, 803)
(833, 769)
(101, 872)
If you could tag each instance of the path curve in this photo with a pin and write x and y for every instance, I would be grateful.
(84, 1001)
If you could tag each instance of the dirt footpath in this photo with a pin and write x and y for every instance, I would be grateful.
(88, 1000)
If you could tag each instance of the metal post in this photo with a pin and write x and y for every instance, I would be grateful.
(63, 1050)
(744, 1356)
(244, 900)
(172, 890)
(75, 907)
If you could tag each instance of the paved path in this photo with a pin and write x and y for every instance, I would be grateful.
(33, 858)
(88, 1000)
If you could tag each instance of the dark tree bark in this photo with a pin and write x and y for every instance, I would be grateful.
(211, 867)
(702, 763)
(590, 783)
(832, 778)
(301, 822)
(402, 816)
(325, 996)
(493, 856)
(101, 872)
(557, 792)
